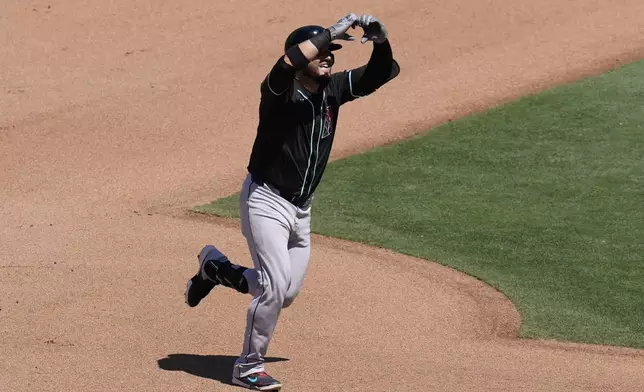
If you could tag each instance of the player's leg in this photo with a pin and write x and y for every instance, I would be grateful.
(200, 285)
(299, 249)
(267, 220)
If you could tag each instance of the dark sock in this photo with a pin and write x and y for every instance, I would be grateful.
(227, 274)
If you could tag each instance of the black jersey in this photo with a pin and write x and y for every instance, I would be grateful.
(297, 127)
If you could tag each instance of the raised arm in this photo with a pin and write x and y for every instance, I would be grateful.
(380, 69)
(298, 56)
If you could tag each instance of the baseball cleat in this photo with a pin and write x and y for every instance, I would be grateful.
(258, 382)
(199, 286)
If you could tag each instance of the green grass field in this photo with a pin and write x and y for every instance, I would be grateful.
(542, 198)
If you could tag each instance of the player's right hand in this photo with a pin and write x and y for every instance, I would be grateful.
(339, 29)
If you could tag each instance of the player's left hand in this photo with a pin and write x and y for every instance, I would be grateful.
(374, 29)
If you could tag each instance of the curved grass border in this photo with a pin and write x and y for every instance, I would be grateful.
(542, 198)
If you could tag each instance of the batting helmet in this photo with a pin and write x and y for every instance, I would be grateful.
(303, 33)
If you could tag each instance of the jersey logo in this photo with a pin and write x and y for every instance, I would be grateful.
(328, 120)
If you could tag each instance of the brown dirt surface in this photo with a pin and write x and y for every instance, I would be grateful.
(117, 116)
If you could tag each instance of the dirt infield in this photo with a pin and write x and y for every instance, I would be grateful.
(116, 117)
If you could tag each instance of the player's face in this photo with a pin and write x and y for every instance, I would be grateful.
(321, 66)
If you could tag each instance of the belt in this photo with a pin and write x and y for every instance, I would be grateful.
(296, 200)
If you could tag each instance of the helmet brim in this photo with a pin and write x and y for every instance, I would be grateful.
(303, 33)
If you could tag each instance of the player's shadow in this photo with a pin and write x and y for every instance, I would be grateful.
(214, 367)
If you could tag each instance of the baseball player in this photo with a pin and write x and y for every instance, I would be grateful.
(298, 114)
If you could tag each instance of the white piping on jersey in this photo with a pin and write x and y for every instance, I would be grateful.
(311, 149)
(268, 83)
(317, 149)
(351, 87)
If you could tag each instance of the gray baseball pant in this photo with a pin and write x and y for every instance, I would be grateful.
(278, 236)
